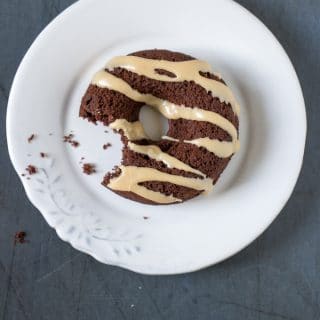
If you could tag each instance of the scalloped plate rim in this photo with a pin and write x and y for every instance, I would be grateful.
(144, 269)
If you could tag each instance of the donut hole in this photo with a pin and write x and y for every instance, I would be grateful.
(154, 123)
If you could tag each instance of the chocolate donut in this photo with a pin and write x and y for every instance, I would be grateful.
(203, 124)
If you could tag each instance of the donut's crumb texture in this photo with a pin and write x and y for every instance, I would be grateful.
(70, 139)
(88, 168)
(31, 138)
(106, 106)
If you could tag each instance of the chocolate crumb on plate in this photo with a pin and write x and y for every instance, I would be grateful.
(145, 218)
(19, 237)
(43, 155)
(31, 138)
(106, 146)
(31, 169)
(88, 168)
(69, 139)
(75, 144)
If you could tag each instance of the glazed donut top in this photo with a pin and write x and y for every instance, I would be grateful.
(131, 177)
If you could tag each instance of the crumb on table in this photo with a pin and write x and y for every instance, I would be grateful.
(19, 237)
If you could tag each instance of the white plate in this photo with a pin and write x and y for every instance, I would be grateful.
(45, 99)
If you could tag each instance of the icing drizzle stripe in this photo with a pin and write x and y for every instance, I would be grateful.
(137, 175)
(154, 152)
(104, 79)
(222, 149)
(184, 71)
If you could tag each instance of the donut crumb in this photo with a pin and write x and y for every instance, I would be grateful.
(19, 237)
(88, 168)
(69, 139)
(106, 146)
(31, 169)
(31, 138)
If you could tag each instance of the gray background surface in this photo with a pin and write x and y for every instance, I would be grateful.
(277, 277)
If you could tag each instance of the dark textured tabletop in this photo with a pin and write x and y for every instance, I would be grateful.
(276, 277)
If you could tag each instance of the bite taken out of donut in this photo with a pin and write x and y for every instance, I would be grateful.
(203, 118)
